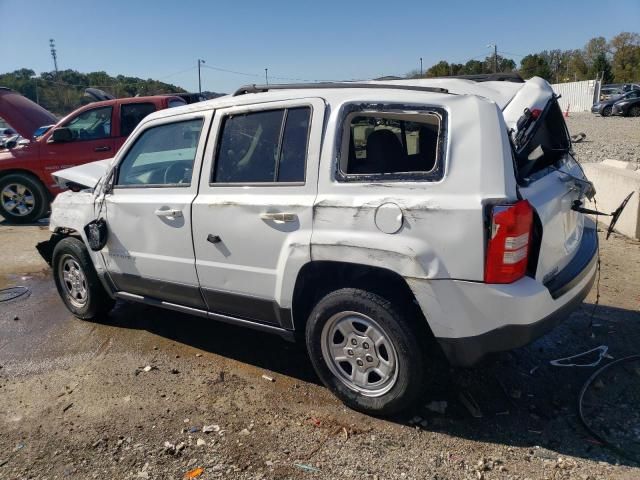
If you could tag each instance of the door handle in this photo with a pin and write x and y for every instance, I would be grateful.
(102, 149)
(279, 217)
(170, 212)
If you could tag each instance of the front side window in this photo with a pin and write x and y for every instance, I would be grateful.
(391, 143)
(263, 147)
(162, 155)
(132, 114)
(92, 124)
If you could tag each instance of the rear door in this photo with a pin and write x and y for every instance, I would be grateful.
(130, 115)
(149, 251)
(253, 215)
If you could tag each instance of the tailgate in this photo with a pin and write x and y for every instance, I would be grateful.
(552, 196)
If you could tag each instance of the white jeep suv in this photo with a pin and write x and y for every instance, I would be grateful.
(378, 221)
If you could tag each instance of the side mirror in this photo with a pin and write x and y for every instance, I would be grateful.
(61, 135)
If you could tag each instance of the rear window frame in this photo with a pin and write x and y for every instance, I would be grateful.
(349, 110)
(544, 171)
(247, 111)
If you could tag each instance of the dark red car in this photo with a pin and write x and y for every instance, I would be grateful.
(93, 132)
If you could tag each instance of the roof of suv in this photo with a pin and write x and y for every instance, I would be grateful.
(499, 92)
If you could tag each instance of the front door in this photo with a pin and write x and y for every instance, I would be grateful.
(253, 214)
(92, 139)
(149, 250)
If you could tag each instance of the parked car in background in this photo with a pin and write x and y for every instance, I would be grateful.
(377, 222)
(606, 107)
(628, 106)
(6, 132)
(607, 93)
(93, 132)
(42, 130)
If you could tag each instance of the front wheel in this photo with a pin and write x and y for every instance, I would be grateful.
(77, 281)
(606, 111)
(23, 199)
(365, 352)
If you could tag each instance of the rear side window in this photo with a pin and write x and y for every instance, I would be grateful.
(542, 142)
(132, 114)
(380, 144)
(263, 147)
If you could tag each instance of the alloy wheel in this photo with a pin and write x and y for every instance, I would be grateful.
(73, 281)
(360, 353)
(17, 199)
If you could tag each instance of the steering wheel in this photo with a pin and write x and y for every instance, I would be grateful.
(174, 173)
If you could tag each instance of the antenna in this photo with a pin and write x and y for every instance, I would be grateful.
(52, 44)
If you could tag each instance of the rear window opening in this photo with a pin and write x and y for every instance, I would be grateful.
(541, 142)
(390, 143)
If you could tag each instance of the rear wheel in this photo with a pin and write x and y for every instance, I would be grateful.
(634, 111)
(365, 352)
(23, 199)
(77, 281)
(606, 111)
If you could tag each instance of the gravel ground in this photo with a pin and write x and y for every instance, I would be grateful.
(76, 401)
(617, 138)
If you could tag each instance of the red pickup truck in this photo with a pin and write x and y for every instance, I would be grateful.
(92, 132)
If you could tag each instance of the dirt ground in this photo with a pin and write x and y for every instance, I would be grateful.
(76, 401)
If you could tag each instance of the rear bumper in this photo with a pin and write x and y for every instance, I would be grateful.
(470, 319)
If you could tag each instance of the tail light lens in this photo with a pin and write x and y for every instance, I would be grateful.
(508, 248)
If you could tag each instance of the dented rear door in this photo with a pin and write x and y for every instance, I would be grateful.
(252, 217)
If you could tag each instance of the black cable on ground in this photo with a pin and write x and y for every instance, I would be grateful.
(11, 293)
(593, 433)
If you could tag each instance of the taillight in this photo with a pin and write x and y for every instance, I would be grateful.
(508, 248)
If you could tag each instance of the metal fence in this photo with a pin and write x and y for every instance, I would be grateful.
(577, 96)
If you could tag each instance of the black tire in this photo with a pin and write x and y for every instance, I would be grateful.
(20, 182)
(410, 365)
(95, 303)
(634, 111)
(606, 111)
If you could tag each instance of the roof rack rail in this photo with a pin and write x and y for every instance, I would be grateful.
(491, 77)
(324, 85)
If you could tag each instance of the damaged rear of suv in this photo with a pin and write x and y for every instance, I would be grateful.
(379, 222)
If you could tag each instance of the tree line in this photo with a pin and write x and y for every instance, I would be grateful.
(63, 91)
(615, 60)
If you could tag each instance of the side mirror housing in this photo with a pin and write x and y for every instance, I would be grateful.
(61, 135)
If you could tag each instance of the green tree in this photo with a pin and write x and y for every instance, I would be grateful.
(626, 57)
(594, 48)
(535, 65)
(473, 67)
(63, 92)
(601, 68)
(577, 68)
(440, 69)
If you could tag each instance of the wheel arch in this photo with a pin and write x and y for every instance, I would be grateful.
(318, 278)
(28, 173)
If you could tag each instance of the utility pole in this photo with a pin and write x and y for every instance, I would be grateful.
(420, 66)
(200, 61)
(266, 75)
(54, 55)
(495, 56)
